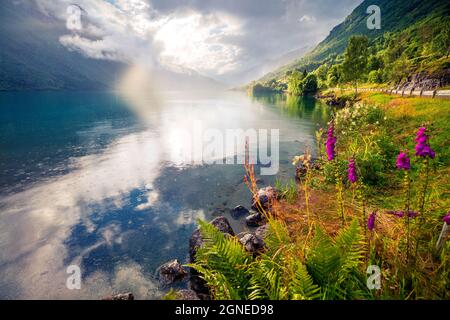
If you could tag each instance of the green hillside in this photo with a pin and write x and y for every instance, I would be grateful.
(418, 28)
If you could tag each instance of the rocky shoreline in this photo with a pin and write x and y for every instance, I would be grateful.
(253, 242)
(173, 271)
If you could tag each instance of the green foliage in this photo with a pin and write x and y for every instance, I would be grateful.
(295, 84)
(288, 190)
(267, 87)
(334, 76)
(310, 84)
(416, 23)
(334, 263)
(330, 269)
(299, 84)
(170, 295)
(222, 261)
(375, 76)
(415, 38)
(355, 59)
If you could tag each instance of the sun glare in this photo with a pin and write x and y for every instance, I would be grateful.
(196, 41)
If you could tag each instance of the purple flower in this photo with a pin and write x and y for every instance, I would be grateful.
(403, 161)
(352, 177)
(371, 221)
(331, 142)
(401, 214)
(422, 147)
(447, 218)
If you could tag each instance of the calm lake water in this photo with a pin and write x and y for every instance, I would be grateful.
(89, 179)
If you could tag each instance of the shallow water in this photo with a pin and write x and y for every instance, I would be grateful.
(89, 179)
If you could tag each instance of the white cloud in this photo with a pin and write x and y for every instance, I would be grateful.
(196, 41)
(212, 38)
(306, 18)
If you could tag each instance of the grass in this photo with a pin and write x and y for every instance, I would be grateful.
(372, 131)
(428, 277)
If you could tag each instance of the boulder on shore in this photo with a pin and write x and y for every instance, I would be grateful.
(252, 243)
(262, 231)
(120, 296)
(238, 212)
(255, 219)
(264, 197)
(171, 271)
(186, 294)
(196, 241)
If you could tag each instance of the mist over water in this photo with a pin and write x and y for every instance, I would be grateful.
(88, 179)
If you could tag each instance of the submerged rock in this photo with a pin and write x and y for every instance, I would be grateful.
(120, 296)
(255, 219)
(172, 271)
(265, 197)
(252, 243)
(239, 211)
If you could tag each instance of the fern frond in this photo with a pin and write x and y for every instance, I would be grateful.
(322, 260)
(222, 262)
(266, 281)
(302, 286)
(351, 246)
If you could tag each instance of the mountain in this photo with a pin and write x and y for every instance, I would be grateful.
(243, 77)
(32, 57)
(396, 15)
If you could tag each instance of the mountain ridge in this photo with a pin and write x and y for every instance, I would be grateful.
(395, 15)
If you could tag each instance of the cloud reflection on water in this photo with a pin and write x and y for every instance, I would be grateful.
(118, 212)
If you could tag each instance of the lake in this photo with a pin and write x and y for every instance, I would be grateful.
(89, 179)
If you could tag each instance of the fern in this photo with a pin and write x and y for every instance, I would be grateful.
(267, 274)
(322, 259)
(334, 264)
(302, 286)
(331, 269)
(222, 263)
(350, 244)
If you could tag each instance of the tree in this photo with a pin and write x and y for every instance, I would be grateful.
(295, 83)
(321, 72)
(310, 84)
(355, 60)
(400, 69)
(375, 76)
(374, 63)
(334, 75)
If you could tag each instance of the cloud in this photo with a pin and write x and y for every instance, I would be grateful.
(215, 38)
(306, 18)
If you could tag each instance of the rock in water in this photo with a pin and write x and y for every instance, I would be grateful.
(265, 196)
(255, 219)
(172, 271)
(252, 243)
(120, 296)
(195, 242)
(239, 211)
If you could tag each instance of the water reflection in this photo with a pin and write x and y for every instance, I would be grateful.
(121, 208)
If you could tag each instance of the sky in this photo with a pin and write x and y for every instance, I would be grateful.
(216, 38)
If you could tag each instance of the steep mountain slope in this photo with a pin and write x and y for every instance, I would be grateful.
(395, 16)
(32, 58)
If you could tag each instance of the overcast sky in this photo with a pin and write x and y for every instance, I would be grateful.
(212, 37)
